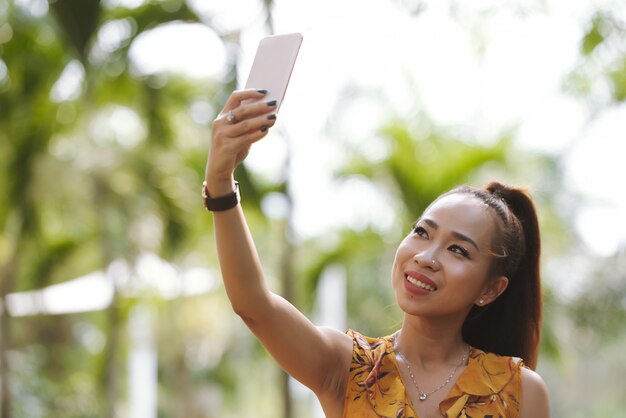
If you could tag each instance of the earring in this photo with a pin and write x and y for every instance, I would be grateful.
(481, 301)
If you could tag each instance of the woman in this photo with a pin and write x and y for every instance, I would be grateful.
(466, 277)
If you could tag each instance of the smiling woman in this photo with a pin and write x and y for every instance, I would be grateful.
(466, 277)
(497, 239)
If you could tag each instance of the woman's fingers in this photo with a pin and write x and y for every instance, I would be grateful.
(238, 96)
(245, 119)
(246, 126)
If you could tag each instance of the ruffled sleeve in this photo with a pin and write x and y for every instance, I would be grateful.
(490, 385)
(375, 388)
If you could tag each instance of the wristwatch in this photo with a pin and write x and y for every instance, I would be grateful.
(222, 203)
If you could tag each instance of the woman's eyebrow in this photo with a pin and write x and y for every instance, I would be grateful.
(457, 235)
(465, 238)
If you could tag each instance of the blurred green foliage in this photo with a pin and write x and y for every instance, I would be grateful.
(603, 49)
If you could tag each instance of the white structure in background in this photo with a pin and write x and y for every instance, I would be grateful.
(329, 311)
(94, 292)
(142, 362)
(330, 304)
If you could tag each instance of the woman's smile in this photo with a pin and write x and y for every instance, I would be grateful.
(418, 283)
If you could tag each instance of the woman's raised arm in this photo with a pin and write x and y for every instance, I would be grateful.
(317, 357)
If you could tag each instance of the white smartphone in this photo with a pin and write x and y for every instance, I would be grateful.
(273, 64)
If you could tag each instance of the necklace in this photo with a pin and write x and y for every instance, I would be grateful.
(424, 395)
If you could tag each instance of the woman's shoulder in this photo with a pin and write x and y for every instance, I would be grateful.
(535, 401)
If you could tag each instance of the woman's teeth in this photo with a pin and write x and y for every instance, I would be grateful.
(420, 284)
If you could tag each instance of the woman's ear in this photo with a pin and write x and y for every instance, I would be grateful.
(494, 289)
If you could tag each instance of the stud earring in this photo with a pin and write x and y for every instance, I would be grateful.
(481, 301)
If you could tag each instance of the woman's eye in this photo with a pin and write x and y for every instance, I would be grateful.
(459, 250)
(420, 231)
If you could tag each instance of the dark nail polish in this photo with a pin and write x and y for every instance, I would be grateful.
(264, 128)
(262, 91)
(272, 103)
(271, 117)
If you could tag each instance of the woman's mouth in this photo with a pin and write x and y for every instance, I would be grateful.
(421, 282)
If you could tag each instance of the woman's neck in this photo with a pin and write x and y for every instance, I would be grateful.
(428, 343)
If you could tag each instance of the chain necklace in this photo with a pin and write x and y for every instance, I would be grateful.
(424, 395)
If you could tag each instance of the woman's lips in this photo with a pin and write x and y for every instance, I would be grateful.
(418, 283)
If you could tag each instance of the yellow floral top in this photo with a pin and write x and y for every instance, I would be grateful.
(490, 385)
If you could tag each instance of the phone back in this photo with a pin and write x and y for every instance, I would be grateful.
(273, 64)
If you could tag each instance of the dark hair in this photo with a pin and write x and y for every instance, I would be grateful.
(510, 325)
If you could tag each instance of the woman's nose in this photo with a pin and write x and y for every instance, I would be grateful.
(426, 260)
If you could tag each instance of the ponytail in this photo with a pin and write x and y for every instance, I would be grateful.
(510, 325)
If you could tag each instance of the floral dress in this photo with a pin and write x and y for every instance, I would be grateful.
(489, 386)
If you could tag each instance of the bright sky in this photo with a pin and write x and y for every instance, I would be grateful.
(493, 66)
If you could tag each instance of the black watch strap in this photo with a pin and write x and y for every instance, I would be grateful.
(218, 204)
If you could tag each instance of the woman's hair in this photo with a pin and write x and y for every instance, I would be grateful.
(511, 324)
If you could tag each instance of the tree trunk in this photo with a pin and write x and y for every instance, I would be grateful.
(6, 286)
(286, 277)
(286, 271)
(114, 321)
(111, 358)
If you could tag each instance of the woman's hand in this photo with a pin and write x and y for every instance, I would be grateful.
(233, 135)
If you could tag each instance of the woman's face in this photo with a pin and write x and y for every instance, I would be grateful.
(441, 267)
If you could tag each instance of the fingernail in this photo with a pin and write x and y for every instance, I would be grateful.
(262, 91)
(272, 103)
(264, 128)
(271, 117)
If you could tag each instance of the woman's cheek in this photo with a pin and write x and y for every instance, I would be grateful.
(469, 280)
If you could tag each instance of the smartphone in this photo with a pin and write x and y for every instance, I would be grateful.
(273, 63)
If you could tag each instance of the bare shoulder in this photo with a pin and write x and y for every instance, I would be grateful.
(535, 402)
(331, 394)
(341, 344)
(340, 338)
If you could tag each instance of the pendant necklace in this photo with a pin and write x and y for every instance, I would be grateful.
(424, 395)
